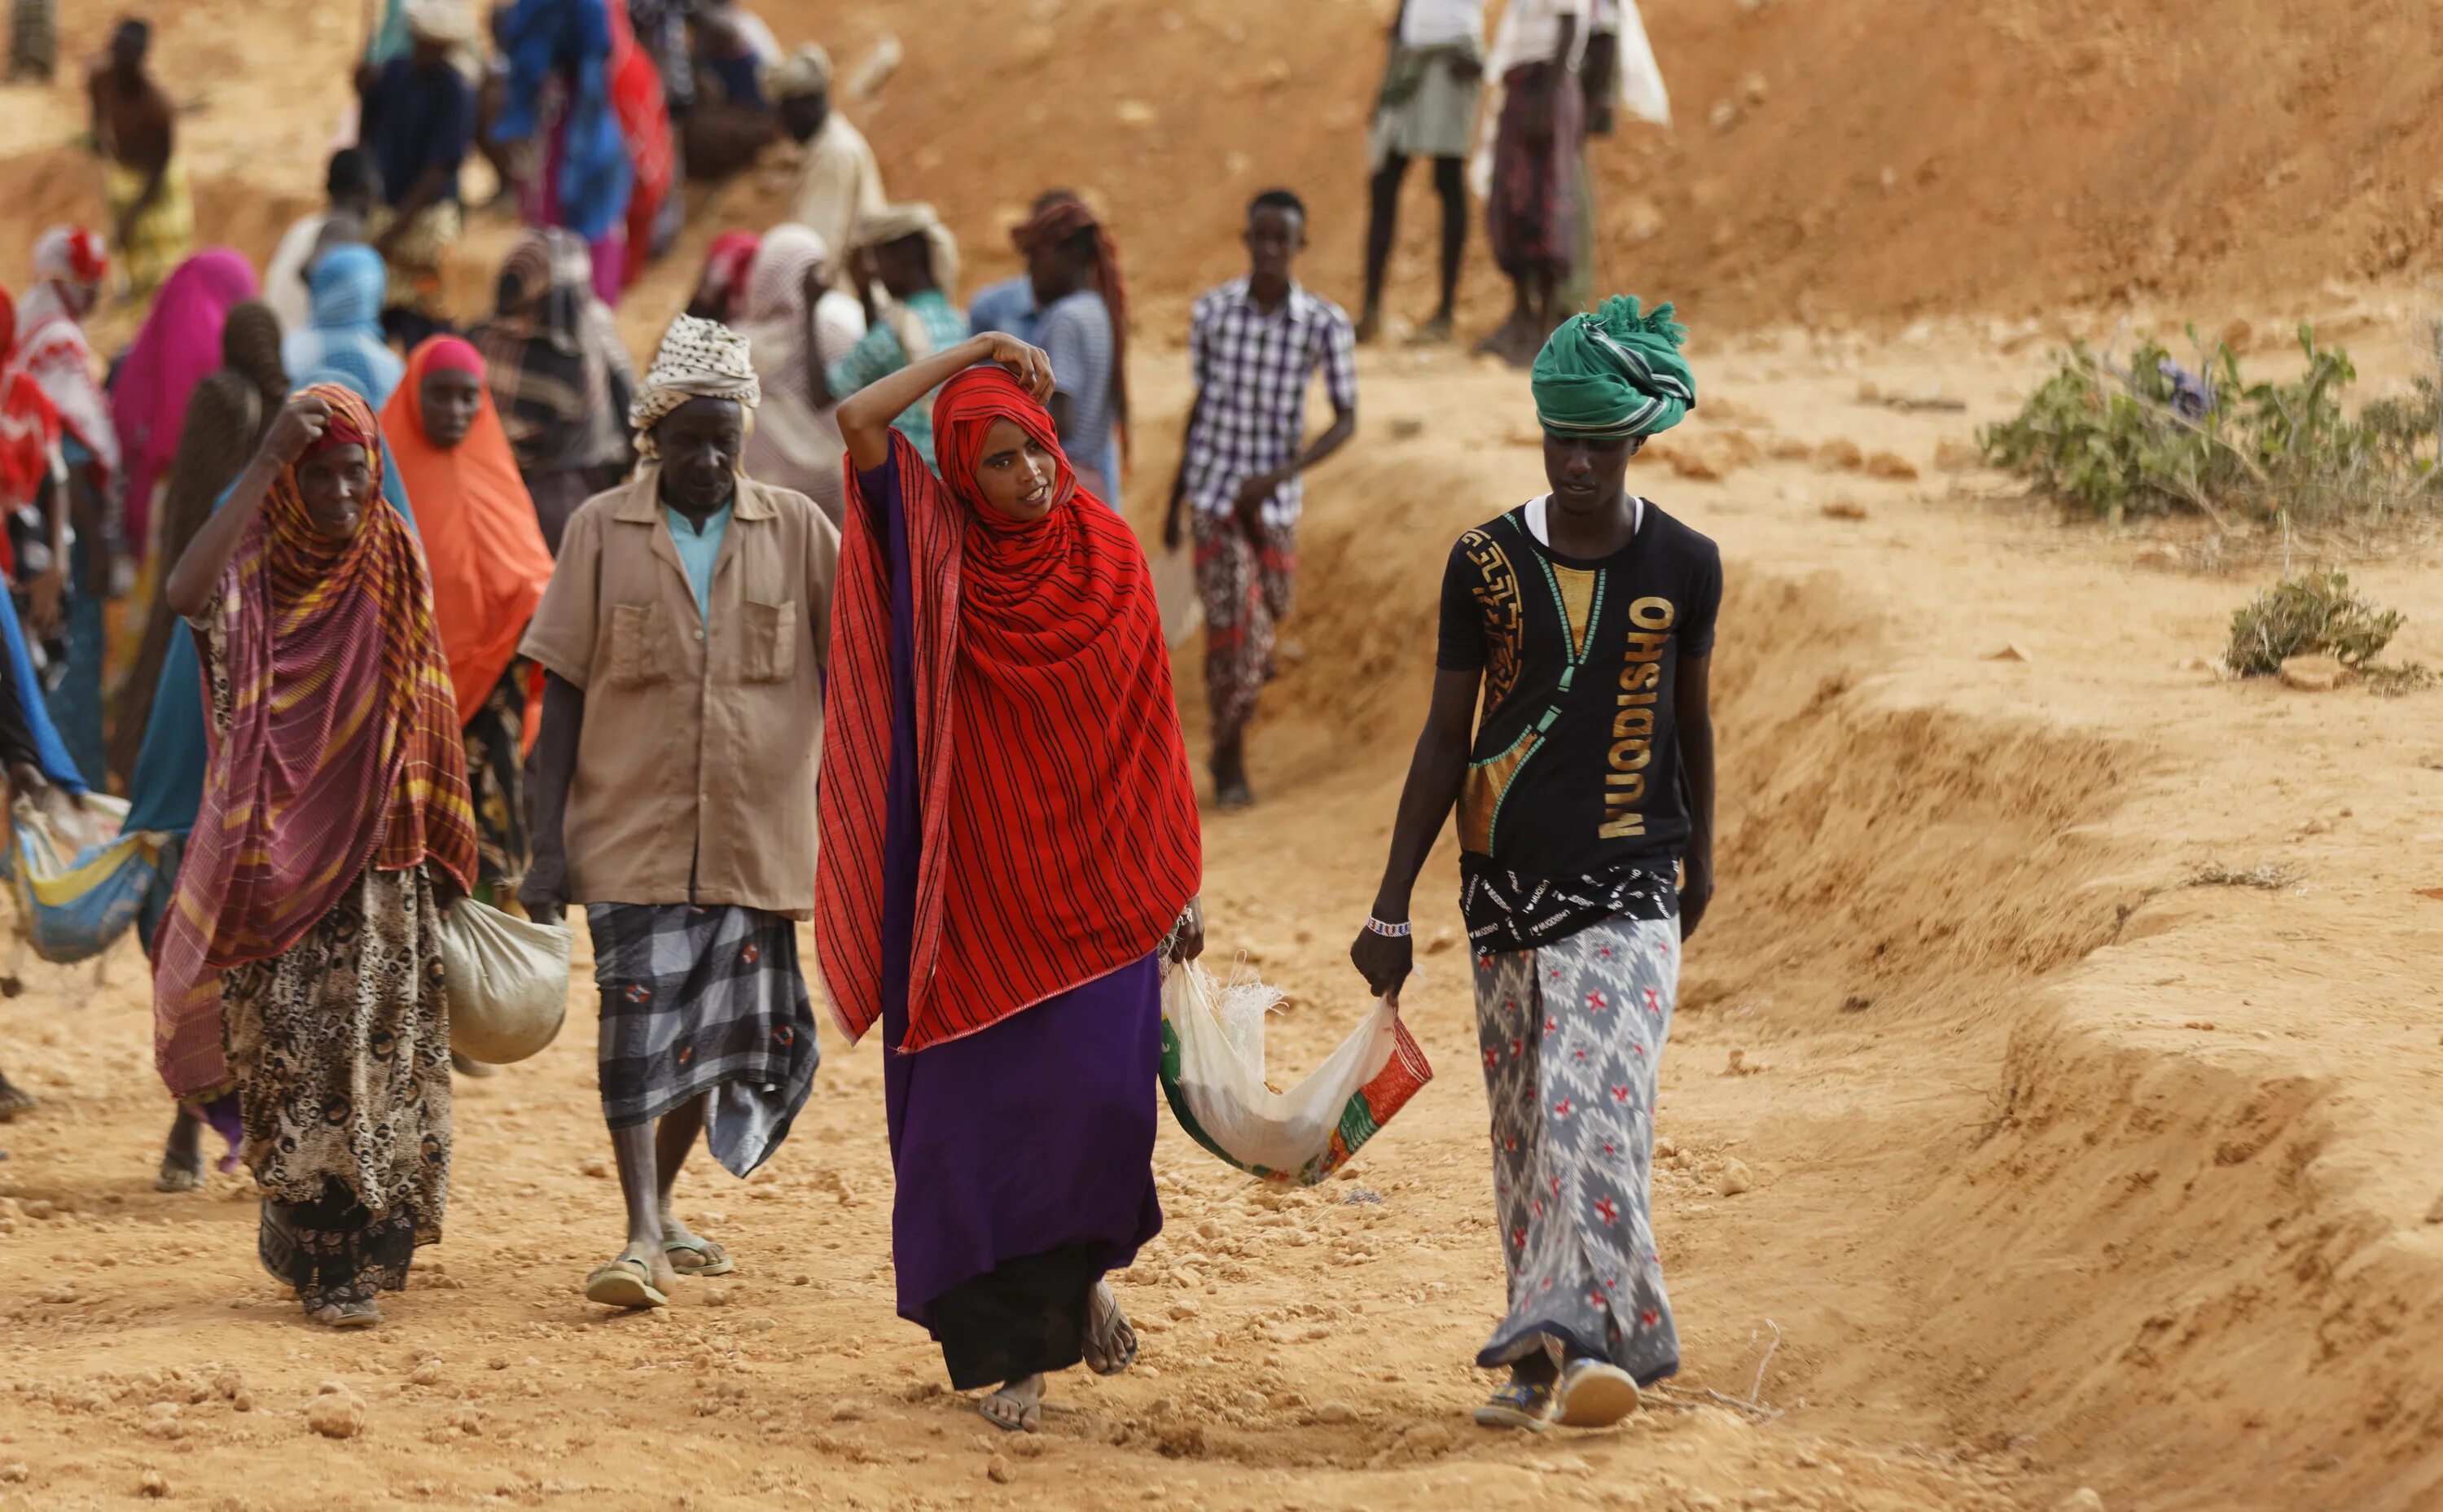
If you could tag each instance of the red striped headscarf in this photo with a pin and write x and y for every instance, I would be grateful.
(341, 751)
(1059, 838)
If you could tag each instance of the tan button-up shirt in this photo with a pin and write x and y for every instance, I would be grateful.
(701, 731)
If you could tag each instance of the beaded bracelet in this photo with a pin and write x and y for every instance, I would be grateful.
(1398, 930)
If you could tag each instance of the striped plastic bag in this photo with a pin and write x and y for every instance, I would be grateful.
(78, 893)
(1213, 1076)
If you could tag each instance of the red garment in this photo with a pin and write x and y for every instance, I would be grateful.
(1059, 839)
(30, 434)
(342, 753)
(636, 85)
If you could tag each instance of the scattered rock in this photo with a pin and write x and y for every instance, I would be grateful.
(1734, 1179)
(155, 1484)
(1251, 1402)
(1788, 448)
(16, 1473)
(1185, 1307)
(1952, 455)
(1891, 464)
(2433, 1214)
(1665, 1149)
(426, 1373)
(38, 1208)
(1644, 219)
(1208, 1229)
(595, 1168)
(1186, 1276)
(163, 1422)
(1001, 1471)
(2313, 674)
(2159, 557)
(1843, 509)
(1841, 455)
(1406, 428)
(2081, 1500)
(1739, 1064)
(2205, 1025)
(1856, 1003)
(1335, 1412)
(338, 1413)
(847, 1411)
(2012, 652)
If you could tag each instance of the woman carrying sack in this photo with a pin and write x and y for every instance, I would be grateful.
(299, 964)
(1010, 855)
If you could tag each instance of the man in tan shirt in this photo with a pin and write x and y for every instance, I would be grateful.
(684, 637)
(839, 182)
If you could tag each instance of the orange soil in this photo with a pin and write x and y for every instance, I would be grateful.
(2064, 1172)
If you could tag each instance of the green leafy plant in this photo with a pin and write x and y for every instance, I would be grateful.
(2318, 614)
(2116, 441)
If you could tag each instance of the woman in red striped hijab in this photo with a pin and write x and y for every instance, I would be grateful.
(300, 962)
(1009, 860)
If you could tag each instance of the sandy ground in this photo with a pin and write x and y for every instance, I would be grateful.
(2064, 1173)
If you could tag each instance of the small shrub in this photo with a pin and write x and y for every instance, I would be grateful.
(2316, 615)
(2118, 441)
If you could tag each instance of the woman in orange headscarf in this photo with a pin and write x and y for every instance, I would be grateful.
(489, 567)
(299, 963)
(1009, 860)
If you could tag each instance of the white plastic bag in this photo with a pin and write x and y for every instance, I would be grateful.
(1213, 1073)
(506, 980)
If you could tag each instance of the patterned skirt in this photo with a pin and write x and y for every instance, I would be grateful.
(698, 1000)
(341, 1050)
(495, 741)
(1571, 1034)
(1532, 214)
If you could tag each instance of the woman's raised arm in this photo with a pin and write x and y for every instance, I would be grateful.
(197, 571)
(865, 416)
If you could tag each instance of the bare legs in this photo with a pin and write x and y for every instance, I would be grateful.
(1382, 226)
(650, 1156)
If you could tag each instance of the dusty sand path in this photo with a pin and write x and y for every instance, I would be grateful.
(2021, 1222)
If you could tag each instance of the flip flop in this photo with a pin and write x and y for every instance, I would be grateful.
(347, 1315)
(1104, 1337)
(1517, 1404)
(626, 1281)
(1594, 1393)
(1029, 1421)
(708, 1264)
(179, 1172)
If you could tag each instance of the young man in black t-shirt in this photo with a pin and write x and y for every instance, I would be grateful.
(1570, 727)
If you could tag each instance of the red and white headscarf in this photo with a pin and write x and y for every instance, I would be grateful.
(52, 347)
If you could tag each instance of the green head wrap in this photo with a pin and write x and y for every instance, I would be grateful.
(1614, 373)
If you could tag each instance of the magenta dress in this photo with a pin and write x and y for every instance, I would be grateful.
(1023, 1153)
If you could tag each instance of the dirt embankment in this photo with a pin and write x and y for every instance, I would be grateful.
(1880, 161)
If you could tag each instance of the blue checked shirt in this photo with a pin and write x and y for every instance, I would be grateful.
(1252, 372)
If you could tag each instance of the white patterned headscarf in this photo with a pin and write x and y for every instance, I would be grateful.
(699, 359)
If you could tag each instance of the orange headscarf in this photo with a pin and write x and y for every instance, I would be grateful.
(481, 538)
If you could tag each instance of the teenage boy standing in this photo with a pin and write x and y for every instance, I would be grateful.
(1585, 817)
(1254, 344)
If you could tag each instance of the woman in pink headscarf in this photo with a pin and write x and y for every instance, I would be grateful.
(179, 344)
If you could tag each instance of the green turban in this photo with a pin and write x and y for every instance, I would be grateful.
(1614, 373)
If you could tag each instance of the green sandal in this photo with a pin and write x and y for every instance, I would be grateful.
(626, 1281)
(706, 1256)
(1517, 1404)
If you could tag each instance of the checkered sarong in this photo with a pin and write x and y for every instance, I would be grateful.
(698, 1000)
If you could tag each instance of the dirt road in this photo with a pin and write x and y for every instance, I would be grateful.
(2064, 1173)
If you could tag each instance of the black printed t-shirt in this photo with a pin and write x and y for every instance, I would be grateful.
(1573, 809)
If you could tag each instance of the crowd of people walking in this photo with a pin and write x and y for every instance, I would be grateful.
(417, 615)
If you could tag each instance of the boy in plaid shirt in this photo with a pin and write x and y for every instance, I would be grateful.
(1254, 344)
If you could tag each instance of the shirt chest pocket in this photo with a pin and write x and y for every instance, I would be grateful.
(637, 656)
(770, 633)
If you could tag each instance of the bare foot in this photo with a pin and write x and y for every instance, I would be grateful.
(1018, 1406)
